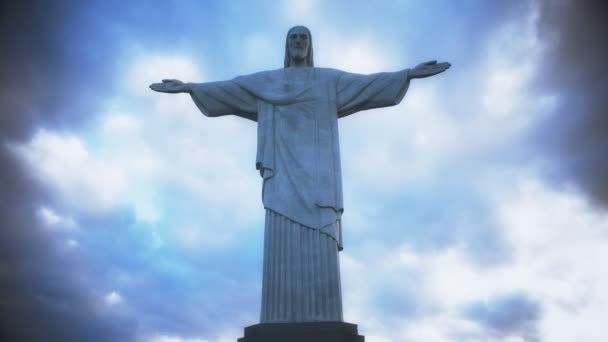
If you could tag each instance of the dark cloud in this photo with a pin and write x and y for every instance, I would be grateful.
(41, 296)
(38, 72)
(575, 135)
(58, 57)
(510, 315)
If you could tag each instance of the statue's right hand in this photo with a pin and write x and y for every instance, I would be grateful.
(170, 86)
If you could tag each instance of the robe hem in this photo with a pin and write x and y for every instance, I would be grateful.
(320, 229)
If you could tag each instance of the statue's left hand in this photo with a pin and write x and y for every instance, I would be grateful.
(427, 69)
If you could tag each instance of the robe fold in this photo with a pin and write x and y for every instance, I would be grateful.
(298, 151)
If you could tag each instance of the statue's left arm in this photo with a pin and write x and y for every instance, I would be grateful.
(356, 92)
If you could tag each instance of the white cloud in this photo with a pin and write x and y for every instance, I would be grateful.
(165, 142)
(64, 162)
(48, 216)
(299, 11)
(512, 56)
(113, 298)
(169, 338)
(193, 237)
(394, 147)
(72, 243)
(120, 124)
(364, 53)
(560, 245)
(198, 154)
(51, 219)
(134, 155)
(439, 329)
(225, 334)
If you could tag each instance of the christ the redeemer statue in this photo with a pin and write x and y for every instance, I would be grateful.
(298, 155)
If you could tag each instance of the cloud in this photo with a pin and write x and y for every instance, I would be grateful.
(508, 315)
(54, 81)
(173, 204)
(572, 140)
(431, 162)
(555, 240)
(298, 12)
(512, 60)
(166, 338)
(39, 283)
(227, 335)
(102, 179)
(52, 219)
(197, 155)
(364, 53)
(431, 131)
(92, 174)
(64, 163)
(113, 298)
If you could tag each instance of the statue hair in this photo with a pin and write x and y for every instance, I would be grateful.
(309, 58)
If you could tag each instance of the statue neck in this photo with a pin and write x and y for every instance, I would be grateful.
(298, 62)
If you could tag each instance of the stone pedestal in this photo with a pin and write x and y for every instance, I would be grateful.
(302, 332)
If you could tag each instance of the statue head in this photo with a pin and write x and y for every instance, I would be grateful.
(298, 46)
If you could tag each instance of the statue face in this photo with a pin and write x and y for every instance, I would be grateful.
(298, 43)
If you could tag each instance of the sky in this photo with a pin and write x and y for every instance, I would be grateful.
(476, 210)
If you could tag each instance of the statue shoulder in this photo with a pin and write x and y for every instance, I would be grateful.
(261, 75)
(330, 72)
(269, 76)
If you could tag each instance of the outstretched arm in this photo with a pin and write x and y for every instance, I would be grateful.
(361, 92)
(214, 98)
(427, 69)
(171, 87)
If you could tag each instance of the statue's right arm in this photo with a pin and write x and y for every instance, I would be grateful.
(171, 87)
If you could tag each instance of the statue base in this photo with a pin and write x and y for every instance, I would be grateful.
(302, 332)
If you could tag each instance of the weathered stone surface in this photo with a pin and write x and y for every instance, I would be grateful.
(297, 110)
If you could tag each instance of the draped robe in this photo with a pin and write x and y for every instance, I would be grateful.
(298, 156)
